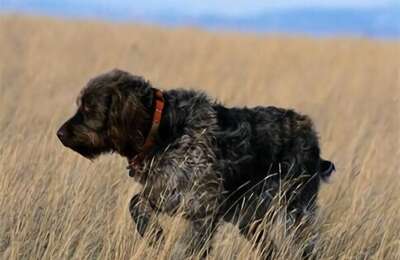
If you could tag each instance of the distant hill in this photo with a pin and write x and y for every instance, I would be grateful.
(383, 22)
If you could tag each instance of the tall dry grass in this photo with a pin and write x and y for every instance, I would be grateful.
(56, 205)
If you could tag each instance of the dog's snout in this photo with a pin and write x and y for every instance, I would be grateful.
(61, 133)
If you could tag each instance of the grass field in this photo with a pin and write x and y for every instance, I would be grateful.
(57, 205)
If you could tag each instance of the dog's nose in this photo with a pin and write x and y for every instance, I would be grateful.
(61, 133)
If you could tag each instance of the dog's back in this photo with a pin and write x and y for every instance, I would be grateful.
(262, 146)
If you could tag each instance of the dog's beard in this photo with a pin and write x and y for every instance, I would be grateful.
(90, 153)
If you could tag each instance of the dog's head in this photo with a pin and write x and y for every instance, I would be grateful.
(113, 114)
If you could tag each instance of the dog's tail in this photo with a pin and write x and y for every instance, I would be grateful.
(325, 169)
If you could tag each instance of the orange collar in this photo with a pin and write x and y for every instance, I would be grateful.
(151, 137)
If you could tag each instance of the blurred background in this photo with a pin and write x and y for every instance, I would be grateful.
(365, 18)
(337, 61)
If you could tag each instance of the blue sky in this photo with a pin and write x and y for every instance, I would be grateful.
(243, 7)
(375, 18)
(198, 7)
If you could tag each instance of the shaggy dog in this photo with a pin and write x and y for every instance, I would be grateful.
(194, 155)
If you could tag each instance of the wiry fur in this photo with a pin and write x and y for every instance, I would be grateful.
(209, 161)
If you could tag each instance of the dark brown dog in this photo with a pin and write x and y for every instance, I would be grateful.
(193, 154)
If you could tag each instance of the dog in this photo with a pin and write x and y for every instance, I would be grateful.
(193, 155)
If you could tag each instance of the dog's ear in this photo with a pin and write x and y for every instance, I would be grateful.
(130, 109)
(115, 107)
(147, 97)
(133, 85)
(128, 116)
(140, 89)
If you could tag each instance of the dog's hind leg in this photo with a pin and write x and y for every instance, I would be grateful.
(143, 215)
(249, 218)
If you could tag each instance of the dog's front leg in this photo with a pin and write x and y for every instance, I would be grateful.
(143, 215)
